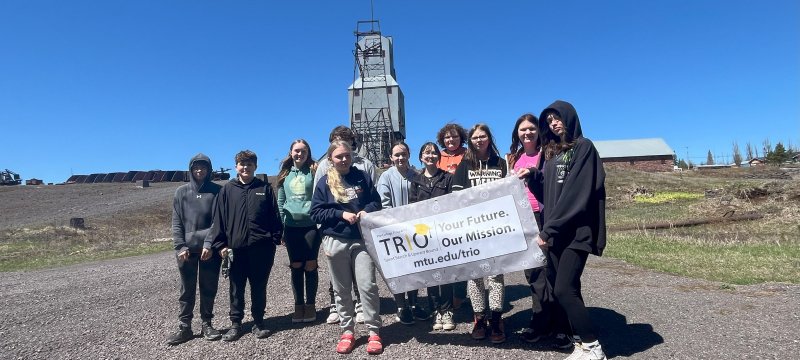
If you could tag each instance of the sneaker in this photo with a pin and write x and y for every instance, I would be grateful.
(590, 351)
(404, 316)
(447, 320)
(333, 317)
(563, 342)
(259, 330)
(359, 314)
(209, 333)
(299, 314)
(479, 328)
(437, 322)
(531, 336)
(498, 335)
(345, 344)
(182, 335)
(420, 313)
(374, 345)
(234, 333)
(309, 313)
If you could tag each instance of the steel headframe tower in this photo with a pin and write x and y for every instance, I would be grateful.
(376, 101)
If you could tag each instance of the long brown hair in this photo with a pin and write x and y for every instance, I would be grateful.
(516, 149)
(471, 155)
(287, 162)
(561, 143)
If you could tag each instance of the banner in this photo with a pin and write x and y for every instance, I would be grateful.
(484, 230)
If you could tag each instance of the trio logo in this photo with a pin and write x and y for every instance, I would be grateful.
(404, 243)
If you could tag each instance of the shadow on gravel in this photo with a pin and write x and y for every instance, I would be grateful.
(620, 338)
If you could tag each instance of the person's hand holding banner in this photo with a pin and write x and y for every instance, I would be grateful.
(480, 231)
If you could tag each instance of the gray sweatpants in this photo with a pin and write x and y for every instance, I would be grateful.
(347, 259)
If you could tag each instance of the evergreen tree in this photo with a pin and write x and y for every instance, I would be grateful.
(778, 156)
(709, 158)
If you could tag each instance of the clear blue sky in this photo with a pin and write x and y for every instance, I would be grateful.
(105, 86)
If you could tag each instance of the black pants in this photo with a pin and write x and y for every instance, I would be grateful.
(441, 297)
(406, 299)
(206, 273)
(542, 299)
(565, 267)
(250, 264)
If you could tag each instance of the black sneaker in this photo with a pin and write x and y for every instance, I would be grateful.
(209, 333)
(420, 313)
(182, 335)
(260, 331)
(562, 341)
(531, 336)
(404, 316)
(234, 333)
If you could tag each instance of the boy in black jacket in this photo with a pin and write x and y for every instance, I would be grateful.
(247, 228)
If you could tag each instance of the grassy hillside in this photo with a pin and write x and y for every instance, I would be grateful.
(737, 252)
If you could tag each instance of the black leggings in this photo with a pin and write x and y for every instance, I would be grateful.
(302, 244)
(565, 268)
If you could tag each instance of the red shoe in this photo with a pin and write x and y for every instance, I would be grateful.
(346, 344)
(374, 345)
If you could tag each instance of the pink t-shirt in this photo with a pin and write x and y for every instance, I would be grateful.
(526, 161)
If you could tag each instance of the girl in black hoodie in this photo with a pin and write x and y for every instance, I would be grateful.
(572, 187)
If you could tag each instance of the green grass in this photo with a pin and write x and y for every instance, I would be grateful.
(739, 264)
(28, 258)
(114, 236)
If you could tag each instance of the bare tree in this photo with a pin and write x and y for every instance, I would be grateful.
(766, 147)
(750, 152)
(737, 157)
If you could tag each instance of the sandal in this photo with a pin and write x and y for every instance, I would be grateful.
(345, 345)
(374, 345)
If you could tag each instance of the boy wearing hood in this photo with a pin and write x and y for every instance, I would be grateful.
(191, 220)
(571, 185)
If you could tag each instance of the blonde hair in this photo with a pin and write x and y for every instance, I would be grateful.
(334, 178)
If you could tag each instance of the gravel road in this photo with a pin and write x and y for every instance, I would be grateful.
(124, 309)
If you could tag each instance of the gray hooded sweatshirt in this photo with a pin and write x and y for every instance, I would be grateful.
(192, 209)
(393, 187)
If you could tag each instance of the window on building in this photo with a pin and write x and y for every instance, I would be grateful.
(632, 162)
(356, 92)
(357, 116)
(663, 161)
(389, 90)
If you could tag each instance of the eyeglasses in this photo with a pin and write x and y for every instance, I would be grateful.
(479, 137)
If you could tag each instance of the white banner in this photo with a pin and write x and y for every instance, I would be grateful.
(480, 231)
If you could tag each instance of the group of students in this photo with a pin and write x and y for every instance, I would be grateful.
(319, 205)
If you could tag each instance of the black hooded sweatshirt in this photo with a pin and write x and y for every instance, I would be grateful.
(572, 186)
(245, 215)
(192, 209)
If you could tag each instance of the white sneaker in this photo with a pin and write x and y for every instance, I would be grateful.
(447, 320)
(359, 314)
(437, 322)
(333, 317)
(591, 351)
